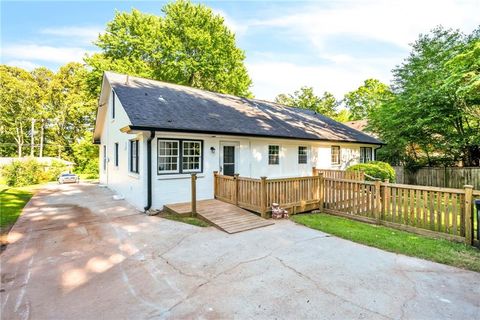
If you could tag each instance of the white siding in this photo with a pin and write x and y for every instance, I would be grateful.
(252, 161)
(119, 179)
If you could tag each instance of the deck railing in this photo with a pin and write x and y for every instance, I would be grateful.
(339, 174)
(298, 194)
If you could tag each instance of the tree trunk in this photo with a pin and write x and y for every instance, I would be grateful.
(32, 139)
(42, 128)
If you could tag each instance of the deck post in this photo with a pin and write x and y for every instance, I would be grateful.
(194, 194)
(314, 171)
(215, 184)
(468, 214)
(235, 192)
(263, 197)
(321, 191)
(378, 201)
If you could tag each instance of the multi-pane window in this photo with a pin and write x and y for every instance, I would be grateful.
(365, 154)
(273, 154)
(179, 156)
(168, 156)
(335, 155)
(192, 153)
(302, 155)
(134, 156)
(116, 154)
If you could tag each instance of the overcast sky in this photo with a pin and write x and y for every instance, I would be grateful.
(330, 45)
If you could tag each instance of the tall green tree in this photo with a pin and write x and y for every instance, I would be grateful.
(433, 115)
(19, 94)
(305, 98)
(366, 98)
(189, 45)
(73, 108)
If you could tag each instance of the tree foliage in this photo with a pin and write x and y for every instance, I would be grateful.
(367, 98)
(305, 98)
(189, 45)
(433, 116)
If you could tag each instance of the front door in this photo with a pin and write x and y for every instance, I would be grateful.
(227, 159)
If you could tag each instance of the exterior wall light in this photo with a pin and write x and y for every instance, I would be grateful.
(212, 149)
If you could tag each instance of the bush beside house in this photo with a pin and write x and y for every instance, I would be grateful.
(375, 169)
(30, 171)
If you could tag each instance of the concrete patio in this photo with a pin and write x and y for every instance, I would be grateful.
(78, 254)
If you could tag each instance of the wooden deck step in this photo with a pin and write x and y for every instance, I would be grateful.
(225, 216)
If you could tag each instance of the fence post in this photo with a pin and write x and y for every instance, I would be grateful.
(215, 184)
(385, 198)
(378, 200)
(194, 194)
(314, 171)
(235, 192)
(468, 214)
(263, 196)
(322, 191)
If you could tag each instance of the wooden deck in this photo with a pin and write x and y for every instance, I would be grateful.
(224, 216)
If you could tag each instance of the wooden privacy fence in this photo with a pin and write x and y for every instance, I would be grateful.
(298, 194)
(441, 212)
(444, 177)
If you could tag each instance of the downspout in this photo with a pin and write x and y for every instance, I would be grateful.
(375, 151)
(149, 171)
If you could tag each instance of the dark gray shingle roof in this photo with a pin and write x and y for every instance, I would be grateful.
(161, 105)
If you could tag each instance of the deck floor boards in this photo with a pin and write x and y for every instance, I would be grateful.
(225, 216)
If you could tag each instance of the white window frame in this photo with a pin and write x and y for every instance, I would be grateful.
(305, 154)
(200, 156)
(168, 156)
(363, 154)
(131, 169)
(332, 154)
(278, 155)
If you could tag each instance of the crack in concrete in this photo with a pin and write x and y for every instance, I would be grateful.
(302, 275)
(194, 291)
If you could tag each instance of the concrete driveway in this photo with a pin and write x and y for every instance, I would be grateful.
(78, 254)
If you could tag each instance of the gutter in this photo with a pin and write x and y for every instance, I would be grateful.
(378, 148)
(149, 171)
(130, 128)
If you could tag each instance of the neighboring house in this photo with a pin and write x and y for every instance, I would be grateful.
(153, 135)
(360, 125)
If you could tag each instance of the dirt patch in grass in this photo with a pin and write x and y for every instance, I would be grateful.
(438, 250)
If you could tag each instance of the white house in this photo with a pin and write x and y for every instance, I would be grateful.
(153, 135)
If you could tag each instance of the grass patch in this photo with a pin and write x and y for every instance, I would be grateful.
(12, 201)
(438, 250)
(185, 219)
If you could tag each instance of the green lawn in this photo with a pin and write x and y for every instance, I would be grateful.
(442, 251)
(190, 220)
(12, 201)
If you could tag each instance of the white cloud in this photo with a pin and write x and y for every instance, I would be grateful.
(24, 64)
(85, 34)
(395, 22)
(236, 27)
(34, 52)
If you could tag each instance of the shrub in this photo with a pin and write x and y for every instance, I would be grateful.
(23, 173)
(27, 172)
(376, 169)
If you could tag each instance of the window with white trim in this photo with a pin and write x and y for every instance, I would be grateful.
(168, 156)
(134, 156)
(365, 154)
(302, 155)
(191, 156)
(273, 154)
(335, 155)
(179, 156)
